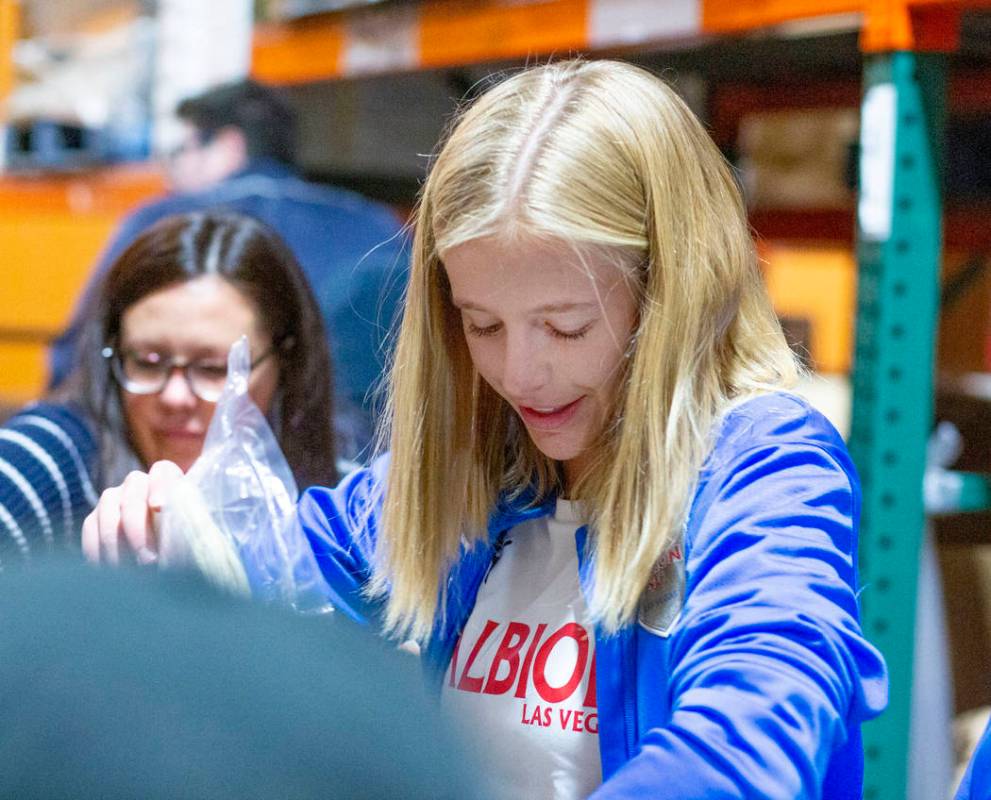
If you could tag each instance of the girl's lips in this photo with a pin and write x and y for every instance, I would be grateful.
(549, 421)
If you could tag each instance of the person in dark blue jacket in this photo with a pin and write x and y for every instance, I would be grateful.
(628, 553)
(976, 782)
(237, 154)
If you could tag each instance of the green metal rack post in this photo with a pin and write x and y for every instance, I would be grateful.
(899, 244)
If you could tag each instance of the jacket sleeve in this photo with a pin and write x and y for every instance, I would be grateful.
(770, 672)
(341, 526)
(976, 783)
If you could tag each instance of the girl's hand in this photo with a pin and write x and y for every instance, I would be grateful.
(125, 518)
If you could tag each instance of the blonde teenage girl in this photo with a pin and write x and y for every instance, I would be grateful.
(627, 551)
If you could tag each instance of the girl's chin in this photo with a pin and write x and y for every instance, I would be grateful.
(553, 448)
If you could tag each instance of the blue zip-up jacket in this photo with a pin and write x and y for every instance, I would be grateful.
(757, 689)
(976, 783)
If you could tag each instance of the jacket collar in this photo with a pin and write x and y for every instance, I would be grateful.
(511, 511)
(265, 167)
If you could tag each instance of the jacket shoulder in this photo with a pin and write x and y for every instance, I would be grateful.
(58, 418)
(47, 486)
(772, 419)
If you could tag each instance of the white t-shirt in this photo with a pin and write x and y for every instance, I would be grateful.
(522, 676)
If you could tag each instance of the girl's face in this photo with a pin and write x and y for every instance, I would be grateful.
(193, 321)
(548, 331)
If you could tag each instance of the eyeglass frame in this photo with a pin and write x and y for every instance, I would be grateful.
(171, 364)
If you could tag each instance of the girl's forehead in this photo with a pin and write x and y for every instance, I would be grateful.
(530, 274)
(533, 260)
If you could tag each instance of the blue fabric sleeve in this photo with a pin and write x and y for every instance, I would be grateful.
(47, 456)
(976, 783)
(341, 525)
(770, 672)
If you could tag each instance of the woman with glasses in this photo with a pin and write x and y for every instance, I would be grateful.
(154, 365)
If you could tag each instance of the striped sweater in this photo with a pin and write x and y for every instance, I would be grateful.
(47, 458)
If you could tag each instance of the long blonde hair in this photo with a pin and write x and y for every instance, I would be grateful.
(593, 153)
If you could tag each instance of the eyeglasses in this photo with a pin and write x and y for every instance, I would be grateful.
(149, 372)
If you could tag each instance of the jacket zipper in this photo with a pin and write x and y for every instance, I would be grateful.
(630, 691)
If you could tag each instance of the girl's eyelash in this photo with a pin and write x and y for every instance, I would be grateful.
(570, 335)
(488, 330)
(491, 330)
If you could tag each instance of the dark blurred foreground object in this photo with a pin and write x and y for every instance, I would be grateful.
(127, 685)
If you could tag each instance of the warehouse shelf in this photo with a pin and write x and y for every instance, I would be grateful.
(109, 190)
(443, 33)
(963, 228)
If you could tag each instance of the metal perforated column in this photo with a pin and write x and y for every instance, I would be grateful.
(899, 254)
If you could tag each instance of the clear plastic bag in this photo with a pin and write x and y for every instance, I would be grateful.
(233, 515)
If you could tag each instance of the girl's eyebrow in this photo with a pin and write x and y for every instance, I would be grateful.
(549, 308)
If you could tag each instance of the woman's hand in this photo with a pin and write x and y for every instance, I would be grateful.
(125, 517)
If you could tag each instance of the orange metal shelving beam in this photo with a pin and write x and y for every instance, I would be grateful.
(887, 25)
(309, 50)
(443, 33)
(9, 28)
(734, 16)
(451, 32)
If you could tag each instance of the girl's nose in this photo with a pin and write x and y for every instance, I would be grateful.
(526, 369)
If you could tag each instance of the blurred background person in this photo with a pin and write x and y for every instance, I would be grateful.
(152, 363)
(238, 153)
